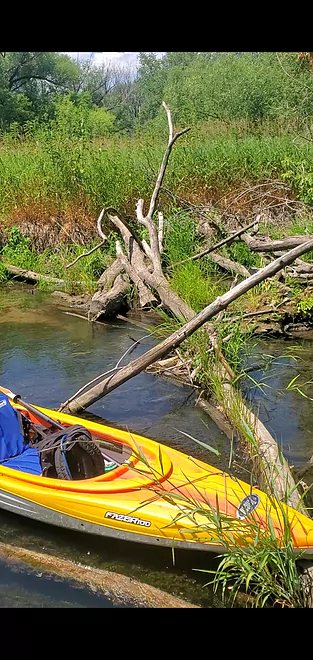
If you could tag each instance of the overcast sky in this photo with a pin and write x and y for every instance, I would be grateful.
(100, 58)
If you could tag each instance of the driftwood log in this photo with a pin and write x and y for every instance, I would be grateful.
(267, 248)
(30, 276)
(229, 265)
(267, 245)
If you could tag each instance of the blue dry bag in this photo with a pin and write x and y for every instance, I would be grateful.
(11, 436)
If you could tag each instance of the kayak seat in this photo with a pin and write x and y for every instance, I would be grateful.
(28, 461)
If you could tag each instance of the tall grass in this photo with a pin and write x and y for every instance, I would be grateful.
(263, 569)
(57, 170)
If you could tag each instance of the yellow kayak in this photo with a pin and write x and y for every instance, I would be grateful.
(147, 493)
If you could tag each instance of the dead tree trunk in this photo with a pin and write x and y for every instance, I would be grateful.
(266, 245)
(109, 300)
(141, 264)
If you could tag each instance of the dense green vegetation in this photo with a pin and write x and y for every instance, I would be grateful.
(66, 139)
(256, 87)
(78, 136)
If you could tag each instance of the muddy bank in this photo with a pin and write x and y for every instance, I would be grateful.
(288, 322)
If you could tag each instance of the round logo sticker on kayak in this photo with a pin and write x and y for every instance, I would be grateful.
(247, 505)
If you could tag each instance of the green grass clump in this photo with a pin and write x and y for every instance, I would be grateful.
(268, 573)
(80, 277)
(195, 287)
(240, 252)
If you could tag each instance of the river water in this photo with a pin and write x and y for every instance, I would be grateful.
(47, 354)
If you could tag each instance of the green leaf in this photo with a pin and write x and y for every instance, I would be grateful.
(203, 444)
(270, 524)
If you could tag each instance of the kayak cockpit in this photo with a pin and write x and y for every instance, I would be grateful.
(70, 453)
(96, 459)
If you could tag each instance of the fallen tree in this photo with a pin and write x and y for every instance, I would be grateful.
(175, 339)
(141, 263)
(31, 276)
(267, 245)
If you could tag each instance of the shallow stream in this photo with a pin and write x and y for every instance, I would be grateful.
(47, 354)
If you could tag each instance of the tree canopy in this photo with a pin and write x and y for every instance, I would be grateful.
(254, 86)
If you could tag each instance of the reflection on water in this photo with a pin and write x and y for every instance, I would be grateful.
(286, 410)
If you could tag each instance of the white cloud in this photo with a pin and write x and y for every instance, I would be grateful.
(125, 59)
(121, 58)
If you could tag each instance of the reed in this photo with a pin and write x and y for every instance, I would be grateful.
(255, 567)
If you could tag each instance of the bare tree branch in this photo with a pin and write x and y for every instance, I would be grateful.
(160, 231)
(226, 241)
(172, 139)
(103, 236)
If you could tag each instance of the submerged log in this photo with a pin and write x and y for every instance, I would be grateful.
(120, 589)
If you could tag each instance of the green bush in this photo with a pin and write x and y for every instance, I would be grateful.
(17, 249)
(299, 175)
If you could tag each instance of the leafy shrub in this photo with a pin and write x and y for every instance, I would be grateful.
(17, 250)
(300, 178)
